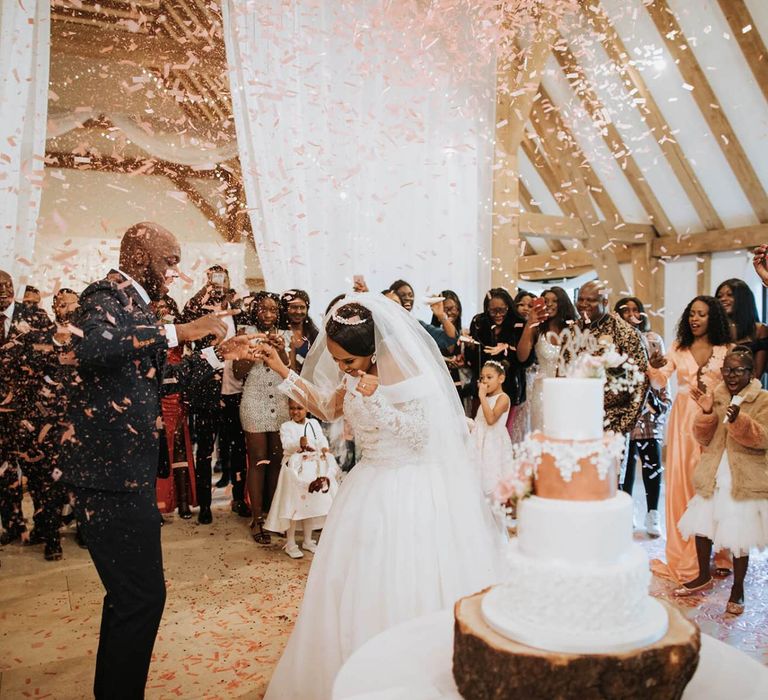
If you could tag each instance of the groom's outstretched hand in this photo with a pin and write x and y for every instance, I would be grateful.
(368, 383)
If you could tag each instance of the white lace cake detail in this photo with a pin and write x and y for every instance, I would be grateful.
(565, 607)
(567, 455)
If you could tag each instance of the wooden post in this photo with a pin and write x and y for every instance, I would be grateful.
(704, 274)
(516, 89)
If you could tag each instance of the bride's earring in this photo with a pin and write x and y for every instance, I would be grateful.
(373, 359)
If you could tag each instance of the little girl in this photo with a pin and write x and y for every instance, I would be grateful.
(730, 508)
(307, 483)
(491, 437)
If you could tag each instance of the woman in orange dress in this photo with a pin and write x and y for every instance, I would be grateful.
(703, 339)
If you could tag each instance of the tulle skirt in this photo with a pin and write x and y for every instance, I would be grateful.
(730, 524)
(400, 541)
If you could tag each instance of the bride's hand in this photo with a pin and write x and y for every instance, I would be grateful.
(271, 358)
(368, 383)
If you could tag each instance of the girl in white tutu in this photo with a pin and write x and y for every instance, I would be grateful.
(307, 483)
(494, 446)
(730, 508)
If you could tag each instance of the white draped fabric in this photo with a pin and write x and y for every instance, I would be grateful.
(24, 62)
(175, 148)
(366, 142)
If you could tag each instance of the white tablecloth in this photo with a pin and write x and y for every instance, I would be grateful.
(413, 662)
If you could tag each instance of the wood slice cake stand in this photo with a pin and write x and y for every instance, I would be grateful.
(488, 666)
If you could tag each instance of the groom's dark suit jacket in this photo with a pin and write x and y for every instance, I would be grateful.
(113, 416)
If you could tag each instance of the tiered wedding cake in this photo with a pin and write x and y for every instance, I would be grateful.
(577, 582)
(574, 618)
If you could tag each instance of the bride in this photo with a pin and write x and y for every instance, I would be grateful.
(409, 532)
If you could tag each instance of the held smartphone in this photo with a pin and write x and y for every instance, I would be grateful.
(218, 278)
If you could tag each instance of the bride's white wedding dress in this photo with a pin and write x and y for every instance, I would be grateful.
(408, 533)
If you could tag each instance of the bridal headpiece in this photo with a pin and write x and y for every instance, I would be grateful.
(351, 321)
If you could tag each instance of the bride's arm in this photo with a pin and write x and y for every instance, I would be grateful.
(325, 405)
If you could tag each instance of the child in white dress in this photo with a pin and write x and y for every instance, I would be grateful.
(307, 483)
(494, 446)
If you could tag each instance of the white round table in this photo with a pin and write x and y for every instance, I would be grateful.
(413, 662)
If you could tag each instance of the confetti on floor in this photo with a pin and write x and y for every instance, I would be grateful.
(231, 606)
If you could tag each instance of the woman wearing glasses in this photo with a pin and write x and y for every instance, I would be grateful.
(730, 508)
(703, 340)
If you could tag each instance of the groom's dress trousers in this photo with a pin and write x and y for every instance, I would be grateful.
(110, 460)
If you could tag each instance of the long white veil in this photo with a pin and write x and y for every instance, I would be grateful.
(411, 368)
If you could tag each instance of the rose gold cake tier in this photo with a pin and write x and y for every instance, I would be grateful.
(585, 484)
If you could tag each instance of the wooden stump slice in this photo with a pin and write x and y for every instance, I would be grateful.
(488, 666)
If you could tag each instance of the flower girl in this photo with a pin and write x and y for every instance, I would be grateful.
(494, 446)
(307, 483)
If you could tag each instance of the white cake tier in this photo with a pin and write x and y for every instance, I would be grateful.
(578, 609)
(580, 532)
(573, 409)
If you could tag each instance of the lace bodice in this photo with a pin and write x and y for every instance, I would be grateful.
(547, 356)
(382, 430)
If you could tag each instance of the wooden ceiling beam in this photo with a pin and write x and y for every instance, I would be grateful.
(599, 193)
(138, 49)
(621, 152)
(223, 226)
(527, 200)
(546, 226)
(534, 152)
(740, 238)
(652, 114)
(701, 91)
(752, 46)
(569, 169)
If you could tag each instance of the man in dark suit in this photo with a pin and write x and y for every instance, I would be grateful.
(22, 332)
(111, 456)
(215, 406)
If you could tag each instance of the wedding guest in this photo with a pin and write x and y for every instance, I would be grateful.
(739, 303)
(263, 410)
(696, 357)
(541, 338)
(215, 405)
(646, 437)
(110, 456)
(730, 508)
(23, 329)
(294, 306)
(454, 355)
(491, 438)
(527, 306)
(446, 334)
(176, 488)
(497, 331)
(621, 409)
(307, 484)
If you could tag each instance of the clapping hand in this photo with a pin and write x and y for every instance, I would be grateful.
(238, 347)
(657, 360)
(703, 398)
(733, 412)
(760, 263)
(496, 349)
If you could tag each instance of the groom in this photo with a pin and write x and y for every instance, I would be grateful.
(111, 450)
